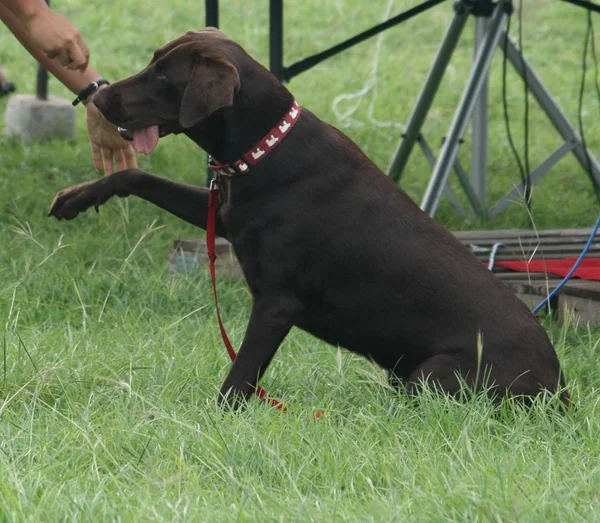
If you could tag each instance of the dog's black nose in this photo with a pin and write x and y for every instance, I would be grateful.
(110, 103)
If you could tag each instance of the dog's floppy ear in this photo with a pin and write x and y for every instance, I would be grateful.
(212, 85)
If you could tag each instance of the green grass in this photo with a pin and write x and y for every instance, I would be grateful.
(111, 365)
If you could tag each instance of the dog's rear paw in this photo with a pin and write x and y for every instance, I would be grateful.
(69, 203)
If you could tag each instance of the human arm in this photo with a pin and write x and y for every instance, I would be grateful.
(107, 145)
(50, 32)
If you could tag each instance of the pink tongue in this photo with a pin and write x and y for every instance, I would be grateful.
(145, 140)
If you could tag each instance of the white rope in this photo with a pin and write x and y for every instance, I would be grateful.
(346, 117)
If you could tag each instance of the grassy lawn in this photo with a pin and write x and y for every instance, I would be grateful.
(111, 365)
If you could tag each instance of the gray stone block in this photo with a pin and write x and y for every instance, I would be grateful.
(37, 120)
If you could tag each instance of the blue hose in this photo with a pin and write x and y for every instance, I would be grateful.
(573, 269)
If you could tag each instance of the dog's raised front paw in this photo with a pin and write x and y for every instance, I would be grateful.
(70, 202)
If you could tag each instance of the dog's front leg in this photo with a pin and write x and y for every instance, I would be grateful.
(188, 202)
(270, 321)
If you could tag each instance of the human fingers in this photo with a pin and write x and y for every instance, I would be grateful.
(130, 157)
(97, 157)
(78, 59)
(120, 160)
(79, 53)
(64, 58)
(107, 156)
(86, 52)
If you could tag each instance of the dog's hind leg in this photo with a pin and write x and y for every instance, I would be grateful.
(454, 374)
(394, 381)
(446, 373)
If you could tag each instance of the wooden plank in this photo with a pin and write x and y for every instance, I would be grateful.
(579, 310)
(189, 256)
(518, 243)
(523, 276)
(199, 246)
(562, 251)
(510, 252)
(540, 287)
(520, 233)
(522, 244)
(538, 247)
(540, 290)
(530, 300)
(578, 299)
(532, 242)
(582, 296)
(537, 256)
(576, 288)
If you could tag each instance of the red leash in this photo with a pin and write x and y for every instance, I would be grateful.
(210, 247)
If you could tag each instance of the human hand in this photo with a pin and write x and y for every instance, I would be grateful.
(58, 39)
(107, 144)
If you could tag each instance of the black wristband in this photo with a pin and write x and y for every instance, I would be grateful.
(90, 89)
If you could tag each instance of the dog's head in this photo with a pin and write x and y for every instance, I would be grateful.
(187, 81)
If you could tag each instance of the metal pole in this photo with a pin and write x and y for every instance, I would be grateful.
(276, 38)
(439, 179)
(518, 192)
(462, 175)
(41, 89)
(434, 78)
(212, 12)
(479, 131)
(450, 194)
(212, 20)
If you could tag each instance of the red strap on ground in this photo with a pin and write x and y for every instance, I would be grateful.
(210, 247)
(588, 270)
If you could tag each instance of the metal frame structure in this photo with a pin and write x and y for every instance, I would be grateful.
(286, 73)
(490, 33)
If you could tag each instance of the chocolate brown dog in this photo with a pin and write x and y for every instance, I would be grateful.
(326, 241)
